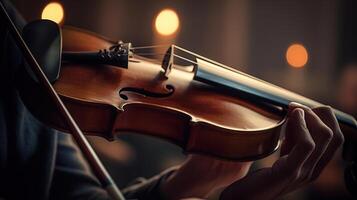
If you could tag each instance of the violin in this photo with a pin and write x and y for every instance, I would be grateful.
(203, 106)
(196, 103)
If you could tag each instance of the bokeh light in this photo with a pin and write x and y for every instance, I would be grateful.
(297, 55)
(53, 11)
(167, 22)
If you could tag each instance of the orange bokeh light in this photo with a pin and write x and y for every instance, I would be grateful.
(297, 55)
(53, 11)
(167, 22)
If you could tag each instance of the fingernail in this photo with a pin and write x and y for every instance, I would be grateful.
(292, 107)
(295, 104)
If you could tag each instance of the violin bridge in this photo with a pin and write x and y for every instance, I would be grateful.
(168, 61)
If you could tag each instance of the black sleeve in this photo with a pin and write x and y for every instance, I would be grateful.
(71, 176)
(73, 179)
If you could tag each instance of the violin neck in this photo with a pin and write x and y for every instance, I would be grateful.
(257, 90)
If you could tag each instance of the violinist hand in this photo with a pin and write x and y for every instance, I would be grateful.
(200, 175)
(312, 137)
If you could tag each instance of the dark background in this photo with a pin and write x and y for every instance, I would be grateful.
(249, 35)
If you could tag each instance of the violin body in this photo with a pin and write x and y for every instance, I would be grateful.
(107, 100)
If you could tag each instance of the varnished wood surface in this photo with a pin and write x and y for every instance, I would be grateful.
(198, 117)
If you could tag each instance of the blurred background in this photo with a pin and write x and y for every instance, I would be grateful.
(309, 47)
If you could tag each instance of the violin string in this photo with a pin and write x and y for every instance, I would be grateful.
(203, 58)
(150, 46)
(207, 59)
(178, 56)
(213, 62)
(175, 55)
(163, 45)
(148, 54)
(177, 47)
(224, 66)
(185, 59)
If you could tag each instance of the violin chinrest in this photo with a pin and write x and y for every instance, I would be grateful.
(44, 39)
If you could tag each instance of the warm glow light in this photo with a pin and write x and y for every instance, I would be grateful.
(53, 11)
(167, 22)
(296, 55)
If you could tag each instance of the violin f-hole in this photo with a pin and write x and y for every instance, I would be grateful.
(146, 93)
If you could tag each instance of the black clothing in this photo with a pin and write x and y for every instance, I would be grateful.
(37, 162)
